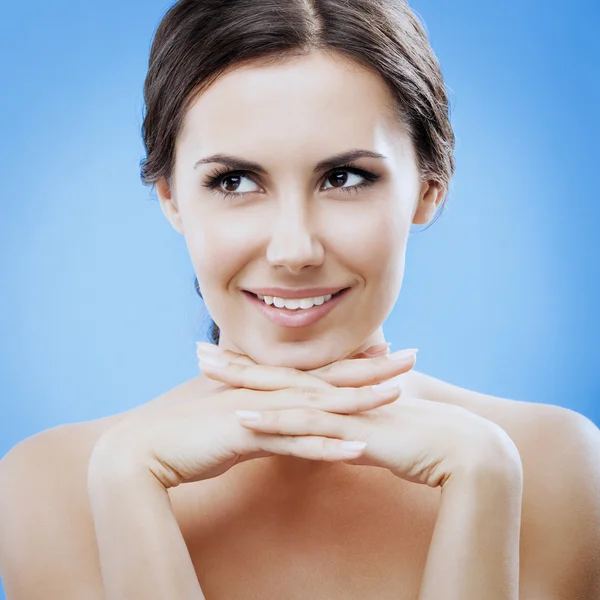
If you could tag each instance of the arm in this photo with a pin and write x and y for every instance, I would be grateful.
(560, 547)
(561, 520)
(474, 552)
(47, 545)
(142, 551)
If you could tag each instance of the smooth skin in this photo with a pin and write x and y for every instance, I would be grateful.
(165, 445)
(229, 520)
(290, 226)
(286, 516)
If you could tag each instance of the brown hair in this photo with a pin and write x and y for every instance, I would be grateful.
(197, 40)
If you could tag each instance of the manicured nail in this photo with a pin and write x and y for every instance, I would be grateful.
(213, 361)
(352, 447)
(248, 415)
(403, 355)
(386, 388)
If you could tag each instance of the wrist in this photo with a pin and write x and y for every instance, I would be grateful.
(113, 460)
(496, 462)
(489, 472)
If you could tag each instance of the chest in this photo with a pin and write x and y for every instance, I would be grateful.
(352, 537)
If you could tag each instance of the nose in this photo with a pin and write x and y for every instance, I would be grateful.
(294, 243)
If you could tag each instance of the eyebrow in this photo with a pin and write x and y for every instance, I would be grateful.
(240, 164)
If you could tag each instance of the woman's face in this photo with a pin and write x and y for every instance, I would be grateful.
(287, 222)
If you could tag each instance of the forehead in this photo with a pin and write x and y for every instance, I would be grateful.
(319, 98)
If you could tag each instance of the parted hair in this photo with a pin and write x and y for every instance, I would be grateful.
(198, 40)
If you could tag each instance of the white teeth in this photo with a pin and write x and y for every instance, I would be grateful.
(295, 304)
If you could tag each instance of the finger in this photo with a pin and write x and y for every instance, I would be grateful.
(257, 377)
(205, 349)
(310, 447)
(236, 377)
(366, 371)
(382, 349)
(212, 350)
(298, 421)
(336, 400)
(370, 355)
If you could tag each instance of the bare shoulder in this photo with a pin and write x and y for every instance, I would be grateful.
(560, 451)
(537, 429)
(46, 530)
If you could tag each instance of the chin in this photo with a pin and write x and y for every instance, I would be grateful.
(302, 358)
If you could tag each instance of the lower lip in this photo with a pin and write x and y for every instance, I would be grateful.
(301, 317)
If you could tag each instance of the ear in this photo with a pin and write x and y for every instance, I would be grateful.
(430, 197)
(168, 205)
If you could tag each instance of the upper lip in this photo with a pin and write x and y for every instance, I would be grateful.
(295, 294)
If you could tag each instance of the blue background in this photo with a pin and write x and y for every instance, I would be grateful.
(98, 311)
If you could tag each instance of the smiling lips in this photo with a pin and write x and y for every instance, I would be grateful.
(296, 317)
(284, 293)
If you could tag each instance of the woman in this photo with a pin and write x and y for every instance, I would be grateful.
(293, 144)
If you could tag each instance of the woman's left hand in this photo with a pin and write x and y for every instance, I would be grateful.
(419, 440)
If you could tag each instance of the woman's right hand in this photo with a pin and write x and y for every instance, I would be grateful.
(198, 438)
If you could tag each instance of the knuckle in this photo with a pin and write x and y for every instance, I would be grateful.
(290, 443)
(382, 365)
(238, 373)
(236, 367)
(372, 415)
(317, 446)
(309, 395)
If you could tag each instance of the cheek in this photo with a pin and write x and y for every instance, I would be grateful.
(369, 241)
(372, 244)
(220, 250)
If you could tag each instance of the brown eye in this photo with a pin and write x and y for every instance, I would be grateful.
(236, 179)
(338, 179)
(228, 183)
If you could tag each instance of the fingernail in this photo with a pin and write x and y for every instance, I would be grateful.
(378, 348)
(206, 347)
(403, 355)
(213, 361)
(352, 447)
(386, 387)
(248, 415)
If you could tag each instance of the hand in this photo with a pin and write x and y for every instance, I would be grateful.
(193, 438)
(418, 440)
(342, 373)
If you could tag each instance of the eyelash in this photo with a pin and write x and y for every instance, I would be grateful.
(215, 179)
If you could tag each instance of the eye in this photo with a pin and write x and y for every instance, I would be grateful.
(340, 178)
(231, 183)
(233, 179)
